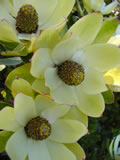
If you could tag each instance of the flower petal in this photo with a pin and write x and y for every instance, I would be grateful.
(102, 57)
(39, 86)
(42, 103)
(21, 85)
(6, 28)
(65, 50)
(56, 149)
(24, 108)
(43, 7)
(5, 14)
(67, 131)
(75, 114)
(108, 9)
(86, 29)
(17, 145)
(44, 42)
(5, 10)
(91, 105)
(77, 150)
(96, 4)
(38, 149)
(55, 111)
(87, 4)
(58, 17)
(94, 82)
(41, 60)
(7, 119)
(64, 94)
(51, 78)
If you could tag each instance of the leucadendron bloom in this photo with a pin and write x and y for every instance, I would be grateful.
(29, 17)
(40, 130)
(100, 5)
(73, 68)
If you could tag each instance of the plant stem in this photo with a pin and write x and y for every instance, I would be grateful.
(79, 8)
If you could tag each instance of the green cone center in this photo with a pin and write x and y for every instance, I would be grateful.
(71, 73)
(27, 19)
(38, 128)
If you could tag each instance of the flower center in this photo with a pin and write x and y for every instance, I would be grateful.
(38, 128)
(27, 19)
(71, 73)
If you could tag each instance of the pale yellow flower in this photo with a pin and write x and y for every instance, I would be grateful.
(28, 17)
(40, 130)
(73, 68)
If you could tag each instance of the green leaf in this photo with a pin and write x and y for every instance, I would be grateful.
(8, 45)
(21, 85)
(21, 72)
(19, 50)
(4, 104)
(11, 61)
(108, 96)
(107, 30)
(4, 136)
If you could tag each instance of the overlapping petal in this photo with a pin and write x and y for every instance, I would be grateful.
(56, 149)
(94, 82)
(7, 119)
(77, 150)
(38, 149)
(24, 108)
(75, 114)
(60, 13)
(41, 60)
(65, 49)
(51, 79)
(42, 103)
(91, 105)
(67, 131)
(17, 145)
(102, 57)
(39, 86)
(64, 94)
(5, 27)
(86, 29)
(21, 85)
(53, 113)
